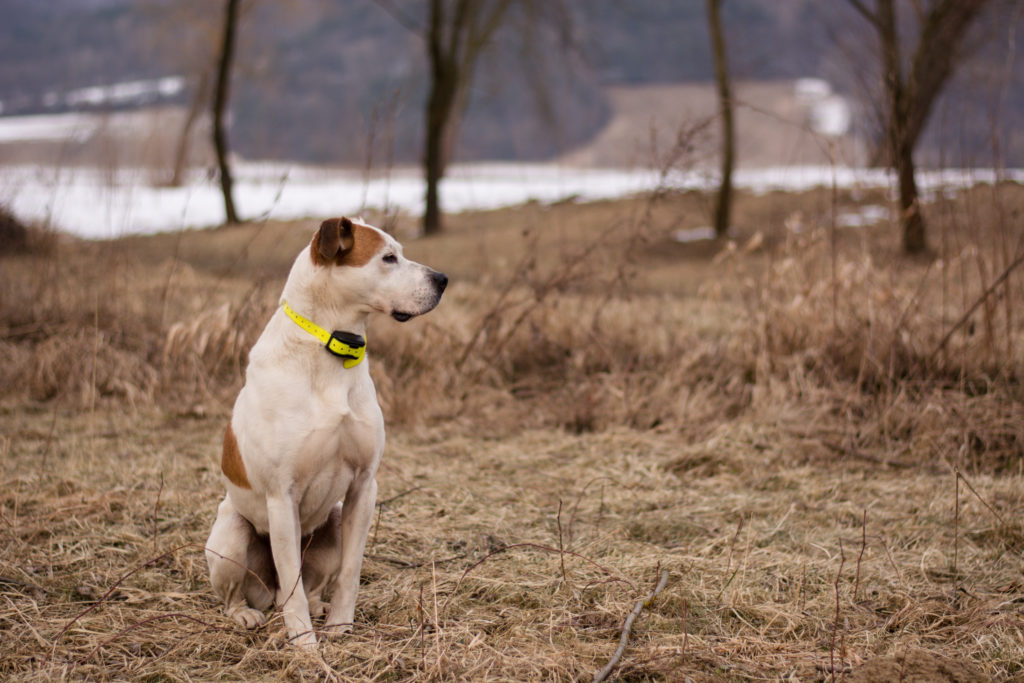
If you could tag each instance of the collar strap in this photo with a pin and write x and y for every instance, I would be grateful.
(351, 348)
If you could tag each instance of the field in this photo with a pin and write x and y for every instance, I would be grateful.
(819, 441)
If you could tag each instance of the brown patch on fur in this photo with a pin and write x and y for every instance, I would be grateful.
(340, 242)
(231, 461)
(368, 243)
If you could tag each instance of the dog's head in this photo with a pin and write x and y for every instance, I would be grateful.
(368, 268)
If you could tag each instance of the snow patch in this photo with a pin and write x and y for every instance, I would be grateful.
(862, 217)
(103, 204)
(58, 127)
(128, 92)
(688, 235)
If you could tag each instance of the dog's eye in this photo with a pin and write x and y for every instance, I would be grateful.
(390, 258)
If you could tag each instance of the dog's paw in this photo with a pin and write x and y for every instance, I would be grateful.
(317, 607)
(248, 617)
(305, 640)
(336, 630)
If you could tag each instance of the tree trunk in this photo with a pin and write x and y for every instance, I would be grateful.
(911, 96)
(723, 204)
(914, 241)
(440, 102)
(433, 165)
(454, 42)
(220, 101)
(901, 139)
(181, 154)
(439, 108)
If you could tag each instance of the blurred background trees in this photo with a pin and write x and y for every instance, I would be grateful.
(313, 75)
(346, 83)
(455, 35)
(912, 80)
(457, 31)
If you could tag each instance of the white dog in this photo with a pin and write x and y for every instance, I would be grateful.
(305, 439)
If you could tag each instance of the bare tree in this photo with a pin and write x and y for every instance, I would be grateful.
(912, 83)
(723, 204)
(457, 32)
(220, 103)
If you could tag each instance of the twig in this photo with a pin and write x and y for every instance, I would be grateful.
(865, 12)
(627, 626)
(325, 667)
(525, 264)
(405, 564)
(603, 582)
(395, 561)
(437, 619)
(728, 566)
(376, 527)
(111, 590)
(156, 509)
(576, 507)
(863, 545)
(49, 439)
(980, 300)
(395, 497)
(956, 523)
(835, 626)
(682, 655)
(380, 512)
(984, 502)
(561, 547)
(423, 654)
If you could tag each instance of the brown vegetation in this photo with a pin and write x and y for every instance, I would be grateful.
(803, 428)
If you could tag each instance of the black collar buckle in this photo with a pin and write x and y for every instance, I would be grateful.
(345, 345)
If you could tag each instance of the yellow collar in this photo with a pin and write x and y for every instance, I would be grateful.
(351, 348)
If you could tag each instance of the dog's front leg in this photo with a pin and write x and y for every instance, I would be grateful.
(356, 515)
(285, 537)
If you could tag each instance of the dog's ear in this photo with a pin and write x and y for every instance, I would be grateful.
(332, 241)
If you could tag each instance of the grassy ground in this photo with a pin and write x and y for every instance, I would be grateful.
(834, 487)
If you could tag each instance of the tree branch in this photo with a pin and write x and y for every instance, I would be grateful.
(935, 58)
(864, 12)
(981, 299)
(627, 626)
(481, 31)
(403, 19)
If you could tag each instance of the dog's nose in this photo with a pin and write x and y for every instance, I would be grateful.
(440, 281)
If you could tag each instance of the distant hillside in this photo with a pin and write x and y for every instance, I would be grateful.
(344, 82)
(778, 123)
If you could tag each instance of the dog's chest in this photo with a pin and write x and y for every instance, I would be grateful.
(338, 450)
(311, 444)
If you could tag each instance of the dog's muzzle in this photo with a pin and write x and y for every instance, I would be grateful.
(438, 281)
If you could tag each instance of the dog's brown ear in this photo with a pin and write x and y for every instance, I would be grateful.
(332, 241)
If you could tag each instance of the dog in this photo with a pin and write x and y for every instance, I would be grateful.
(301, 451)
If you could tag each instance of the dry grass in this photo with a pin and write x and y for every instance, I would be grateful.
(777, 424)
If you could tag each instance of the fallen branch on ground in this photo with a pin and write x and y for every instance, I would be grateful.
(626, 627)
